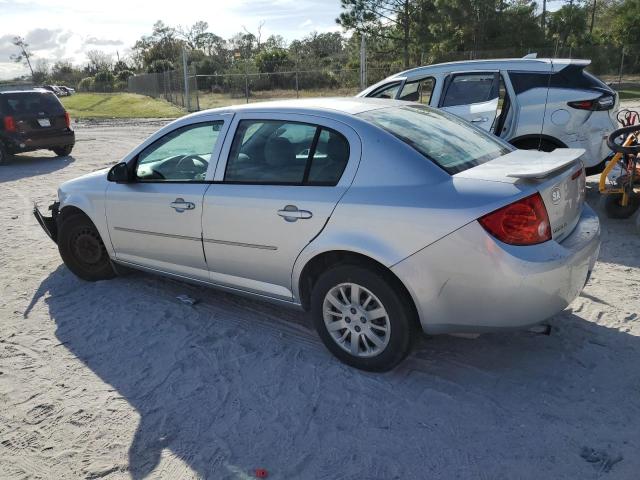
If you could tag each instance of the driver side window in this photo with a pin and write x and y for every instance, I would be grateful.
(182, 155)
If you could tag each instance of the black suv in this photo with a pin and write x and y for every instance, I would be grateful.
(33, 120)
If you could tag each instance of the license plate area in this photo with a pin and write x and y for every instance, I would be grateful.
(44, 122)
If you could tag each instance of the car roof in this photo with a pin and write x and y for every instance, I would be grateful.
(331, 105)
(30, 90)
(520, 64)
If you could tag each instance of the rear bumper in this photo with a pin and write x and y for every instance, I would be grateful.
(48, 224)
(469, 282)
(20, 142)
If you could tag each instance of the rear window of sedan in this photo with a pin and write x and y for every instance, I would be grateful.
(32, 103)
(446, 140)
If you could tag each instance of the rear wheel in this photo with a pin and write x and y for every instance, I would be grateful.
(63, 151)
(613, 205)
(361, 318)
(82, 249)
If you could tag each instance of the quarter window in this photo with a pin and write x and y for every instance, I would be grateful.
(181, 155)
(289, 153)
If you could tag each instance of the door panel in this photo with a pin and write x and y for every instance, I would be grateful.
(146, 229)
(254, 228)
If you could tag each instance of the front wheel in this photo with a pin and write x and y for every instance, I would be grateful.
(361, 318)
(63, 151)
(82, 249)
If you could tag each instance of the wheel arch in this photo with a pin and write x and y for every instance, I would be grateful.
(319, 263)
(539, 137)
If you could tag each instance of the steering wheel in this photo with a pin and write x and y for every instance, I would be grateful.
(625, 131)
(194, 156)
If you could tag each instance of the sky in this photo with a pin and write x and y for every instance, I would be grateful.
(67, 29)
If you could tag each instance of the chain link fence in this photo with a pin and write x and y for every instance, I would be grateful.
(619, 66)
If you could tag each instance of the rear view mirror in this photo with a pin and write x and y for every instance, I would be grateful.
(119, 173)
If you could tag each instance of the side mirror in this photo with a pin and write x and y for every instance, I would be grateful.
(119, 173)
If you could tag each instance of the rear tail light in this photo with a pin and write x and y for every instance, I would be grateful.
(67, 119)
(9, 124)
(524, 222)
(604, 102)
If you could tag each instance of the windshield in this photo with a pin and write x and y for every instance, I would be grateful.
(445, 139)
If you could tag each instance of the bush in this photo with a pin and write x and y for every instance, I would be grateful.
(86, 84)
(124, 75)
(103, 81)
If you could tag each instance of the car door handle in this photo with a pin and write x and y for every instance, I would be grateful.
(179, 205)
(291, 213)
(479, 119)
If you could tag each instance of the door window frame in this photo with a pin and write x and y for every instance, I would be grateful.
(132, 158)
(449, 80)
(347, 132)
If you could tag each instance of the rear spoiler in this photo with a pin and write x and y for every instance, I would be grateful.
(533, 164)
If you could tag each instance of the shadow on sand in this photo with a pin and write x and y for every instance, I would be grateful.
(25, 166)
(230, 384)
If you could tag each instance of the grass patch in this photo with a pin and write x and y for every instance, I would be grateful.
(630, 93)
(216, 100)
(118, 105)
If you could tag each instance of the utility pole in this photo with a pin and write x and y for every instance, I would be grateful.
(363, 63)
(186, 79)
(593, 16)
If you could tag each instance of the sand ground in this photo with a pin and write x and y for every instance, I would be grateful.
(118, 379)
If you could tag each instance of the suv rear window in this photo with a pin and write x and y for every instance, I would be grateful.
(31, 102)
(445, 139)
(572, 76)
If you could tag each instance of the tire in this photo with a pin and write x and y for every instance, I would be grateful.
(5, 156)
(63, 151)
(82, 249)
(596, 169)
(392, 347)
(614, 210)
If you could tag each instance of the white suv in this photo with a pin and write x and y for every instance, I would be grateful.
(532, 103)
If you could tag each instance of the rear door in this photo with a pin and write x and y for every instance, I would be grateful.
(473, 96)
(282, 178)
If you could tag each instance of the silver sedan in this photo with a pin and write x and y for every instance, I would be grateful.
(379, 217)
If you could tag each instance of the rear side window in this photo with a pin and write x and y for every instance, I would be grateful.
(275, 152)
(445, 139)
(32, 103)
(470, 88)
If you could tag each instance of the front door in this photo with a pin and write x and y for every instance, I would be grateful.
(155, 221)
(273, 195)
(474, 96)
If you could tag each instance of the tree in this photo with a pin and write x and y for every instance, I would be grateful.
(98, 61)
(25, 55)
(162, 44)
(380, 18)
(41, 71)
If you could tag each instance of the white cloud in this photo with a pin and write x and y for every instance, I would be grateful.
(58, 29)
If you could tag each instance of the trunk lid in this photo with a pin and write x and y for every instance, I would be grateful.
(558, 176)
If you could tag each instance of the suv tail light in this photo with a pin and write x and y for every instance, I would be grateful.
(604, 102)
(524, 222)
(67, 119)
(9, 124)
